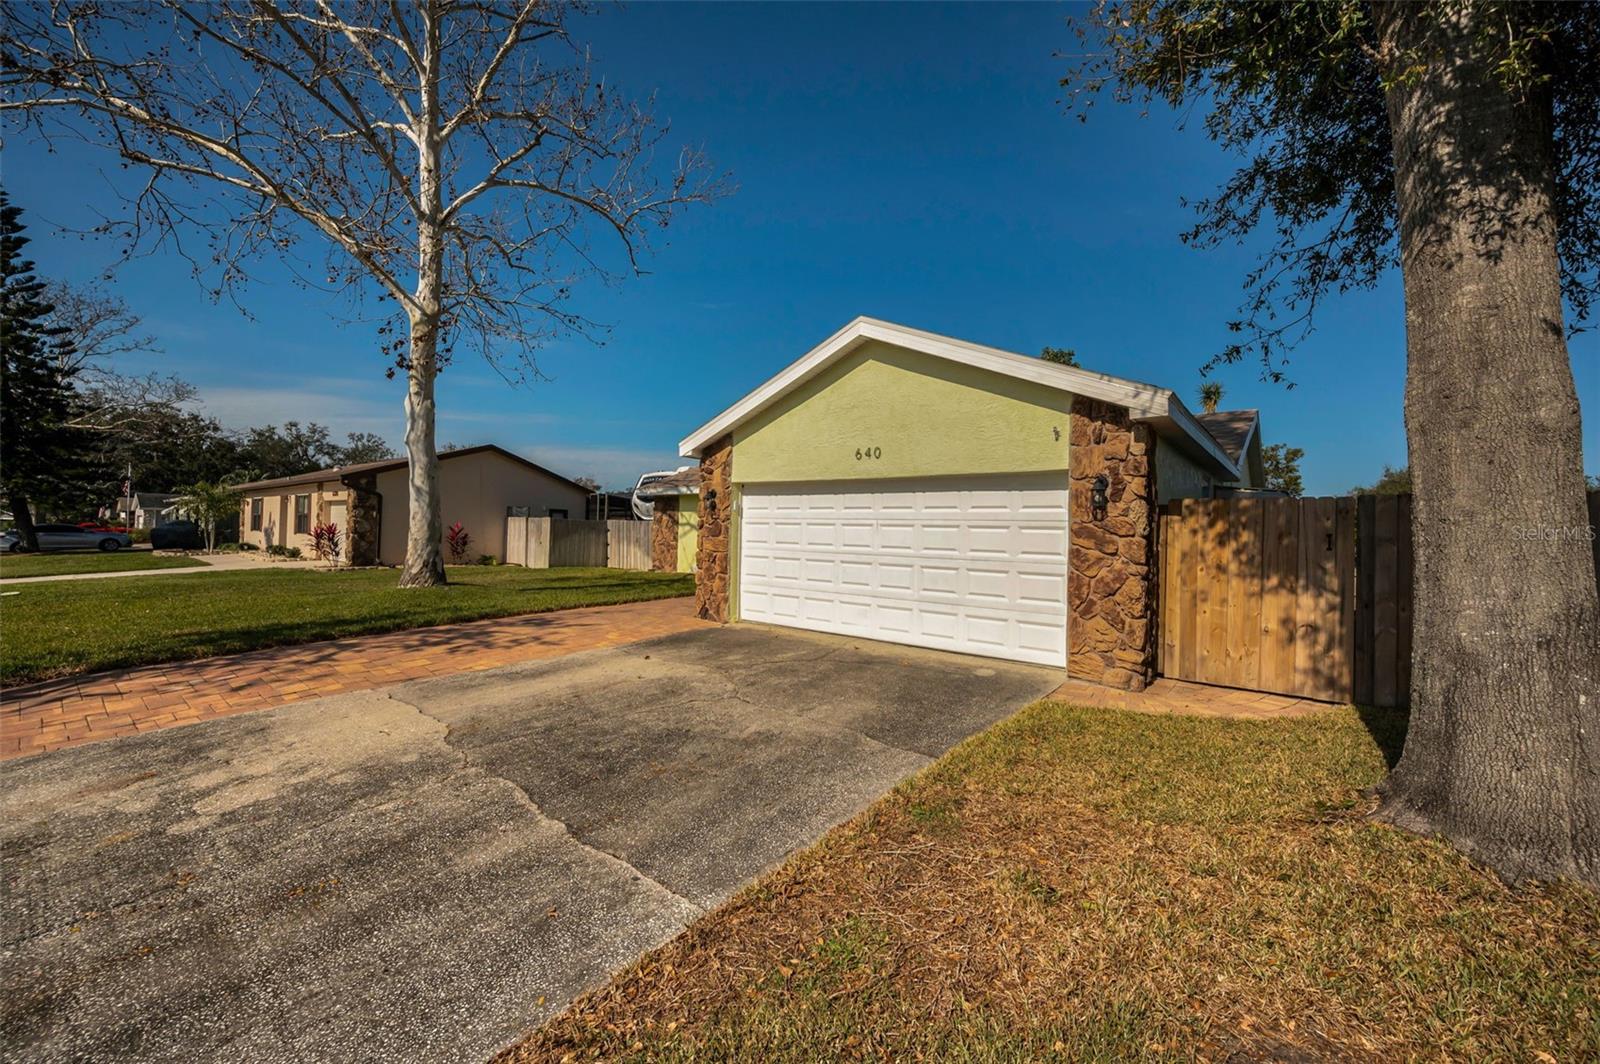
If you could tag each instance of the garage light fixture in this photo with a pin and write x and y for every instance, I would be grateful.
(1097, 496)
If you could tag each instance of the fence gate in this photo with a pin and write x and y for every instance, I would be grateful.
(1260, 594)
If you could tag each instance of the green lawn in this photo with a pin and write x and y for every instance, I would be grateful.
(58, 628)
(1081, 884)
(17, 565)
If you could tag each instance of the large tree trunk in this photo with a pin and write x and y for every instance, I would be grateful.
(424, 562)
(1502, 757)
(22, 514)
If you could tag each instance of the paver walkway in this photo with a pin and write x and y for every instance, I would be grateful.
(1191, 699)
(82, 709)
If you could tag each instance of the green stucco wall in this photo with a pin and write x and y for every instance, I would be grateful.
(688, 531)
(1177, 475)
(910, 415)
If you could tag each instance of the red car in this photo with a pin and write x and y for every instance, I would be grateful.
(101, 526)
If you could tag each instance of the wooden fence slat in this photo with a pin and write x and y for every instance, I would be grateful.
(1385, 607)
(1280, 578)
(1366, 539)
(1305, 618)
(516, 541)
(1244, 593)
(1189, 597)
(1164, 580)
(1403, 590)
(1214, 610)
(1344, 532)
(539, 542)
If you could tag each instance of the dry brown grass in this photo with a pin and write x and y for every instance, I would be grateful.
(1090, 884)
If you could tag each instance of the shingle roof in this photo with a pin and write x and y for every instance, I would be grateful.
(1231, 429)
(340, 472)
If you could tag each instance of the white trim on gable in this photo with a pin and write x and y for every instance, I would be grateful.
(1145, 402)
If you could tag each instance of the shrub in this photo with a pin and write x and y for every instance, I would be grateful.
(139, 535)
(325, 542)
(248, 546)
(487, 559)
(228, 548)
(278, 550)
(457, 539)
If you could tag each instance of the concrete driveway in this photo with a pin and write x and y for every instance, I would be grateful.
(425, 871)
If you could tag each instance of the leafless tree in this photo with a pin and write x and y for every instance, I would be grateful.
(454, 158)
(101, 328)
(99, 324)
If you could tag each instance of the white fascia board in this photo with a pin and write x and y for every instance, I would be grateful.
(1144, 402)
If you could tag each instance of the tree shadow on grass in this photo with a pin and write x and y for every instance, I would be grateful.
(1387, 728)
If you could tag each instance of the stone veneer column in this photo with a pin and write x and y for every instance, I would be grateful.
(664, 535)
(363, 515)
(1112, 576)
(711, 555)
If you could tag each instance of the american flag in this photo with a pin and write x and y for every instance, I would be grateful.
(127, 488)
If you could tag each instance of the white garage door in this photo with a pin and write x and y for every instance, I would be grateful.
(974, 565)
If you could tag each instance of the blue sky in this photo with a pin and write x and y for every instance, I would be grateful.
(911, 163)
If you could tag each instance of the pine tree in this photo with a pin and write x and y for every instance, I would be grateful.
(36, 444)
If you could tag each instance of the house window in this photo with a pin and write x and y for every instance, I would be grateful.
(559, 514)
(302, 514)
(255, 513)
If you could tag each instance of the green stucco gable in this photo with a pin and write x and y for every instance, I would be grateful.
(886, 412)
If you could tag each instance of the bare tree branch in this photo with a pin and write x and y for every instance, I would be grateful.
(455, 157)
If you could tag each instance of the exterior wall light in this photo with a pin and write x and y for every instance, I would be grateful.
(1097, 496)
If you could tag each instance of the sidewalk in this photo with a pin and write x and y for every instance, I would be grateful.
(231, 562)
(82, 709)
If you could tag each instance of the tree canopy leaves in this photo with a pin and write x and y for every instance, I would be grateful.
(1296, 90)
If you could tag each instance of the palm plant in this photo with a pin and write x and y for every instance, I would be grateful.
(1210, 396)
(207, 503)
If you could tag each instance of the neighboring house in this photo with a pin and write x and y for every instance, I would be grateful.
(675, 528)
(370, 502)
(1239, 434)
(145, 509)
(900, 485)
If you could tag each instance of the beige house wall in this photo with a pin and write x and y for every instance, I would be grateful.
(277, 514)
(475, 489)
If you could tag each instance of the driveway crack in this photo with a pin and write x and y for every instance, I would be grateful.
(472, 765)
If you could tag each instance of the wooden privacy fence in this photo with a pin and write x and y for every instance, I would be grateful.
(1308, 597)
(550, 543)
(628, 544)
(1259, 594)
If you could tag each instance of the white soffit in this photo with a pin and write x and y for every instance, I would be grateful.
(1144, 402)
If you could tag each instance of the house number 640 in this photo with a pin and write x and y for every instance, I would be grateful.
(868, 452)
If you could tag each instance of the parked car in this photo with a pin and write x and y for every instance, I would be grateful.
(66, 537)
(177, 535)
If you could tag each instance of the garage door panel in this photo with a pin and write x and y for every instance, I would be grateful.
(855, 535)
(976, 566)
(1042, 544)
(938, 580)
(1038, 638)
(1045, 589)
(892, 577)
